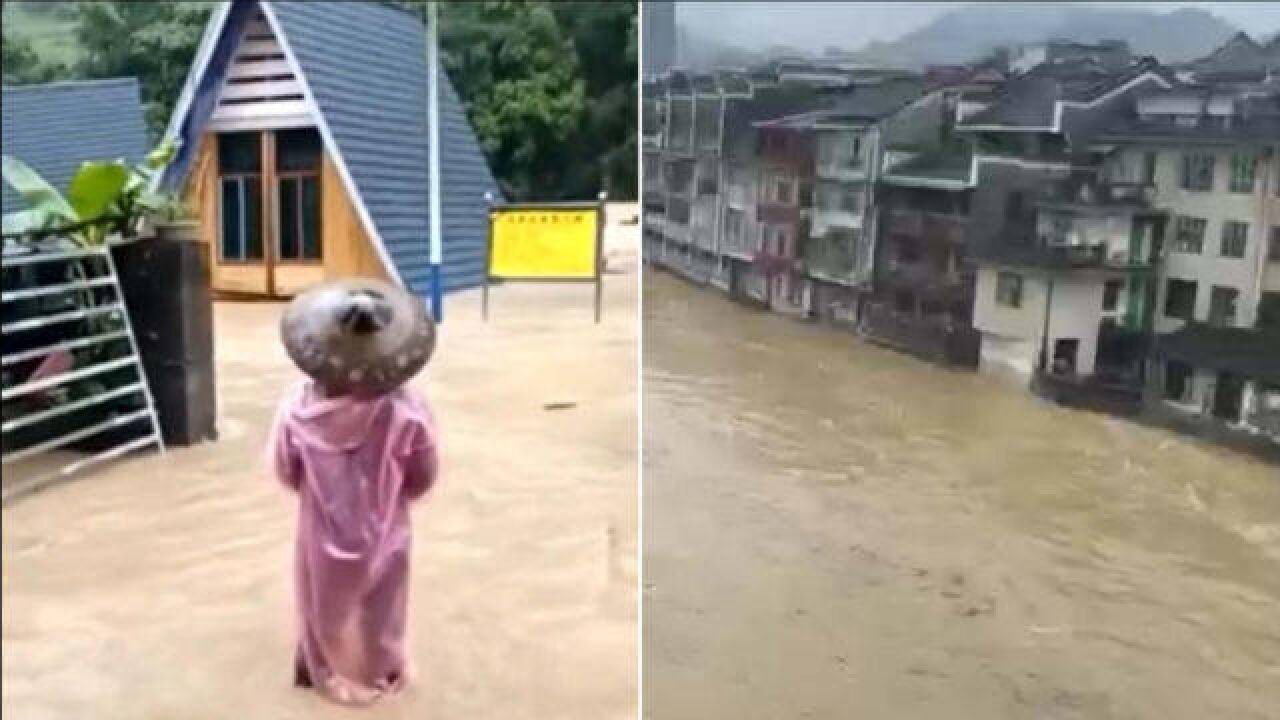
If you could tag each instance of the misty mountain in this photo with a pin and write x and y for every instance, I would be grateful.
(973, 30)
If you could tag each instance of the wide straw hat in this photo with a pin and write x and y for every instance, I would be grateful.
(358, 336)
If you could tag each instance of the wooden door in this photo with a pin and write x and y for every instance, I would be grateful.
(241, 263)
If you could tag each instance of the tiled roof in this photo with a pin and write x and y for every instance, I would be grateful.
(56, 127)
(366, 65)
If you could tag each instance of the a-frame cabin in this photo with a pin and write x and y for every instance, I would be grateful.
(304, 150)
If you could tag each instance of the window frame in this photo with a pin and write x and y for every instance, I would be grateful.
(1191, 301)
(1228, 236)
(1186, 375)
(1197, 176)
(1009, 286)
(1185, 222)
(1236, 174)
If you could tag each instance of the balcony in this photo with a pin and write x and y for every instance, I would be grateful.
(833, 257)
(1089, 194)
(777, 214)
(1090, 256)
(940, 227)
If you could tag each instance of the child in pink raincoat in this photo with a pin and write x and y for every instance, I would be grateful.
(357, 448)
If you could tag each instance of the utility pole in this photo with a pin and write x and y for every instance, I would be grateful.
(433, 139)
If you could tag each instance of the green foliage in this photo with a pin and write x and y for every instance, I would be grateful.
(98, 190)
(22, 64)
(153, 41)
(550, 90)
(549, 86)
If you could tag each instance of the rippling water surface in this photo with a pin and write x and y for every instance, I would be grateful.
(836, 530)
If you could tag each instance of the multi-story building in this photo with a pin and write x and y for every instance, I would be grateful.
(922, 299)
(659, 29)
(1047, 243)
(1212, 154)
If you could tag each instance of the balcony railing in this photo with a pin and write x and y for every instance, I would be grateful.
(834, 258)
(943, 227)
(1096, 193)
(1095, 255)
(777, 214)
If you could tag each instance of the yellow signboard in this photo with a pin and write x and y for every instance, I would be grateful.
(543, 243)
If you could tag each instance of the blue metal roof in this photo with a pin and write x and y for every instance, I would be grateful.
(365, 64)
(56, 127)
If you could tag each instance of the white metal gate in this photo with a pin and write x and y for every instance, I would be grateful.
(73, 380)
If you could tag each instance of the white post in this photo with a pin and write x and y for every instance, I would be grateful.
(433, 138)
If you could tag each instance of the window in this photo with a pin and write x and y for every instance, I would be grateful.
(298, 157)
(1189, 235)
(1111, 294)
(851, 200)
(1269, 311)
(1149, 168)
(240, 196)
(1177, 381)
(1009, 289)
(1197, 172)
(782, 190)
(1013, 205)
(1273, 245)
(1059, 230)
(1222, 306)
(1243, 168)
(1234, 238)
(1180, 299)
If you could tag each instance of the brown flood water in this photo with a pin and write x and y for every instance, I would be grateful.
(834, 530)
(161, 588)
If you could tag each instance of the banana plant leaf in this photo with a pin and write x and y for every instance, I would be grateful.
(45, 205)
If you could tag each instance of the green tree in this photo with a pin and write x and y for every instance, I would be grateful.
(21, 64)
(519, 78)
(153, 41)
(604, 39)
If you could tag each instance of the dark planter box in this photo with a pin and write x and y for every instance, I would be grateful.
(166, 287)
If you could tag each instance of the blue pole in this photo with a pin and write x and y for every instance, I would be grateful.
(433, 148)
(437, 294)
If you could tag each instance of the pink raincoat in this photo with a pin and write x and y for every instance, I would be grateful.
(356, 465)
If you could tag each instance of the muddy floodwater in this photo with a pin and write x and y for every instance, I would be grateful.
(161, 588)
(834, 530)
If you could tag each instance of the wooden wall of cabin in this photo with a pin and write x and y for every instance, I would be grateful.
(346, 247)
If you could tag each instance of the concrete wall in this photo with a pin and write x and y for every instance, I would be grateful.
(1217, 207)
(1011, 337)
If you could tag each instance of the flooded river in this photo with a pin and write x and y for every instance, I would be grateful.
(834, 530)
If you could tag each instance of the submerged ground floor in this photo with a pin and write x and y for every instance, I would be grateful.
(832, 531)
(1095, 357)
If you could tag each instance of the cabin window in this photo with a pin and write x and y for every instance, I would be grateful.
(1234, 238)
(1009, 289)
(298, 159)
(1243, 169)
(240, 196)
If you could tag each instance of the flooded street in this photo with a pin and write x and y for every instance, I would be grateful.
(161, 588)
(834, 530)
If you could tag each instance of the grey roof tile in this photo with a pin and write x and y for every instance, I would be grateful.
(57, 126)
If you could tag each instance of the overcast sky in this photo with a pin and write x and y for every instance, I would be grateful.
(851, 25)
